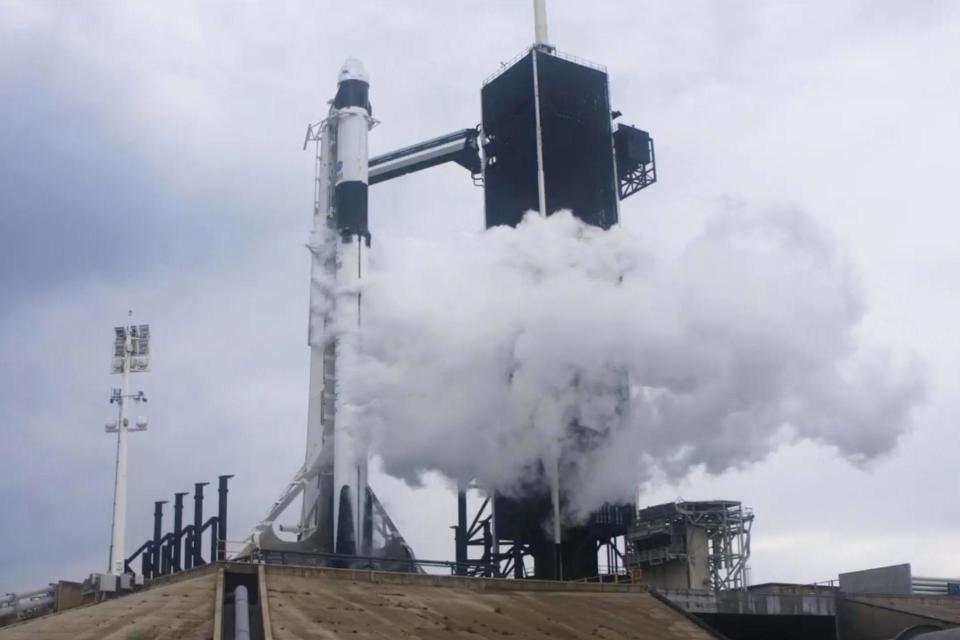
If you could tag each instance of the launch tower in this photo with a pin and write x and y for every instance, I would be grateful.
(546, 142)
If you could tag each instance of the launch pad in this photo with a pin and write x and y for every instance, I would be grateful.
(546, 142)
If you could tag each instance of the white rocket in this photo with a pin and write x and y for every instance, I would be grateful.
(336, 503)
(340, 513)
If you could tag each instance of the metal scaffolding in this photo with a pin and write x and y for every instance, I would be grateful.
(663, 534)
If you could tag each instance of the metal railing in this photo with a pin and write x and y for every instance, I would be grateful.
(504, 66)
(558, 54)
(342, 561)
(619, 576)
(927, 586)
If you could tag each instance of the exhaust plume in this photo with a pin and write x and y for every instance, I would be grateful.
(483, 356)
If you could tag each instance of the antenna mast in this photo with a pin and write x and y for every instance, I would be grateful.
(540, 24)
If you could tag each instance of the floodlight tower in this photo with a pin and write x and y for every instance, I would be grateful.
(131, 354)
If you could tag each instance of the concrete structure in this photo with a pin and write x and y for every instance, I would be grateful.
(380, 605)
(813, 601)
(686, 569)
(811, 612)
(781, 611)
(691, 545)
(295, 602)
(885, 602)
(874, 617)
(892, 580)
(181, 607)
(896, 580)
(287, 602)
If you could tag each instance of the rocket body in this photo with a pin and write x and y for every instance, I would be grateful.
(336, 501)
(350, 499)
(352, 105)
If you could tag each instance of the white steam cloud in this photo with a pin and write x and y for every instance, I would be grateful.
(483, 356)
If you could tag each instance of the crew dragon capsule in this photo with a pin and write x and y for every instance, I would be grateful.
(353, 121)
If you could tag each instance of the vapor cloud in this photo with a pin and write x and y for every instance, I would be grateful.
(483, 356)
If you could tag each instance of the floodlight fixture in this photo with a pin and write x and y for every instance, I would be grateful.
(131, 349)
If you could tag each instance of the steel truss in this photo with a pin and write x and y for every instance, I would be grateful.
(504, 558)
(727, 525)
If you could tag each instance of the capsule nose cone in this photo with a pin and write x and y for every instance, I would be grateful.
(352, 69)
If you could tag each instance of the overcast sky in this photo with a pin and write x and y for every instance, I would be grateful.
(150, 159)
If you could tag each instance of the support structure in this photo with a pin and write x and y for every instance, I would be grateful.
(157, 534)
(183, 547)
(176, 556)
(222, 491)
(196, 552)
(692, 545)
(549, 145)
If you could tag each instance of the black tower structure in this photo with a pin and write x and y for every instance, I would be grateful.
(547, 142)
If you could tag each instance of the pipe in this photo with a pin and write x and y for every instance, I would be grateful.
(197, 537)
(540, 21)
(157, 527)
(12, 597)
(557, 531)
(461, 532)
(222, 518)
(166, 556)
(177, 528)
(188, 549)
(241, 614)
(214, 538)
(28, 601)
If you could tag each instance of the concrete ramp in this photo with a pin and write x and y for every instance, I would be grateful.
(330, 603)
(181, 608)
(873, 617)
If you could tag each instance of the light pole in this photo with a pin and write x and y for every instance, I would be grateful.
(131, 354)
